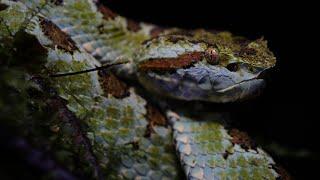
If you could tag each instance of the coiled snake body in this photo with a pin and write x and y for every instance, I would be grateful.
(186, 65)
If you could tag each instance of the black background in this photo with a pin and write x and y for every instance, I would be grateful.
(285, 113)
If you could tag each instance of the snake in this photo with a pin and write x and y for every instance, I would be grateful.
(175, 69)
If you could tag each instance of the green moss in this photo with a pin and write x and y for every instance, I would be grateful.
(112, 33)
(256, 161)
(123, 132)
(113, 112)
(154, 163)
(80, 5)
(232, 174)
(128, 118)
(241, 161)
(168, 158)
(12, 19)
(266, 173)
(78, 86)
(256, 174)
(111, 123)
(244, 174)
(222, 175)
(154, 151)
(236, 49)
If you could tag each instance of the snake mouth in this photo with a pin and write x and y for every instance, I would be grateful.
(213, 84)
(240, 84)
(259, 79)
(242, 90)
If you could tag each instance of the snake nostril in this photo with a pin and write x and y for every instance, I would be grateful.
(233, 67)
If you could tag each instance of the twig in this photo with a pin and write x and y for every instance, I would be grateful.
(88, 70)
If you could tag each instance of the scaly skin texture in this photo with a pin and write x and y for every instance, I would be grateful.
(78, 37)
(228, 70)
(208, 150)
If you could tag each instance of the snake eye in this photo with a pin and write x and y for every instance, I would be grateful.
(212, 56)
(233, 67)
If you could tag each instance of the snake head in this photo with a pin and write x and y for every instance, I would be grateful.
(215, 67)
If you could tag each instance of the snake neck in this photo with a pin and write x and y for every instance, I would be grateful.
(104, 34)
